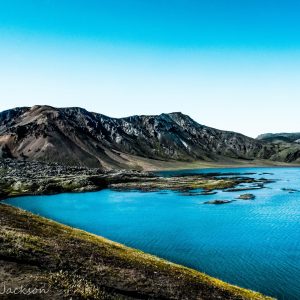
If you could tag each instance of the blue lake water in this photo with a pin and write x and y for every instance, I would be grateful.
(254, 244)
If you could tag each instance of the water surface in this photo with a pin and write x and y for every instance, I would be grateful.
(254, 244)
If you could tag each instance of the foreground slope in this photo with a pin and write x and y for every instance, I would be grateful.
(38, 252)
(75, 136)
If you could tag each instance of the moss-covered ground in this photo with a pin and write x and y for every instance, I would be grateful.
(71, 263)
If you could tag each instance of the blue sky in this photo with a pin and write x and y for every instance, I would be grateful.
(232, 65)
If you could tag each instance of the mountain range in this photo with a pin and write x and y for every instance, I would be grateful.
(75, 136)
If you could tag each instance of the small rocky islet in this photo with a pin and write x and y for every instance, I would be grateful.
(289, 190)
(241, 197)
(218, 201)
(247, 197)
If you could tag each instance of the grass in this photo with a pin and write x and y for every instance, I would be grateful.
(74, 263)
(75, 286)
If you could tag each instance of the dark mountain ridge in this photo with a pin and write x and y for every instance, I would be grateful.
(75, 136)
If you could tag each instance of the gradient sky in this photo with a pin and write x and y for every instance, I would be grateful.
(229, 64)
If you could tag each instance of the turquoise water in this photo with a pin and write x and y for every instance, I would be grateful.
(253, 244)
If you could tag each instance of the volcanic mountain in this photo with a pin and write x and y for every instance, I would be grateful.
(75, 136)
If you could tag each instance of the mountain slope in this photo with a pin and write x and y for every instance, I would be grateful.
(281, 137)
(75, 136)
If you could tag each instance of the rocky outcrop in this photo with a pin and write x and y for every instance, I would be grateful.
(38, 178)
(246, 197)
(218, 202)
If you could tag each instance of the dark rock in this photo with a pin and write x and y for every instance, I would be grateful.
(246, 197)
(290, 190)
(218, 201)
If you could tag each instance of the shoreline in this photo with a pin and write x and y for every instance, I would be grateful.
(149, 165)
(212, 167)
(40, 233)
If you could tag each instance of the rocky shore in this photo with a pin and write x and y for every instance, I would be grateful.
(36, 178)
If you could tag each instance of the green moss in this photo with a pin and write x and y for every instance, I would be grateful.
(218, 184)
(23, 242)
(177, 183)
(3, 172)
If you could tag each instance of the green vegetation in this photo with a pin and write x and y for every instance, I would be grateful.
(12, 186)
(3, 171)
(74, 263)
(183, 183)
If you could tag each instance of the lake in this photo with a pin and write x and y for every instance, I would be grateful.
(251, 243)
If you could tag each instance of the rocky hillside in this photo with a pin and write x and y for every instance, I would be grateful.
(75, 136)
(281, 137)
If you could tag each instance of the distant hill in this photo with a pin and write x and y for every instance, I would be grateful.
(281, 137)
(75, 136)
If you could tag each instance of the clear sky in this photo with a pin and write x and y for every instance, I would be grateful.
(229, 64)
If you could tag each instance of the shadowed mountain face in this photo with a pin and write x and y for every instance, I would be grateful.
(76, 136)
